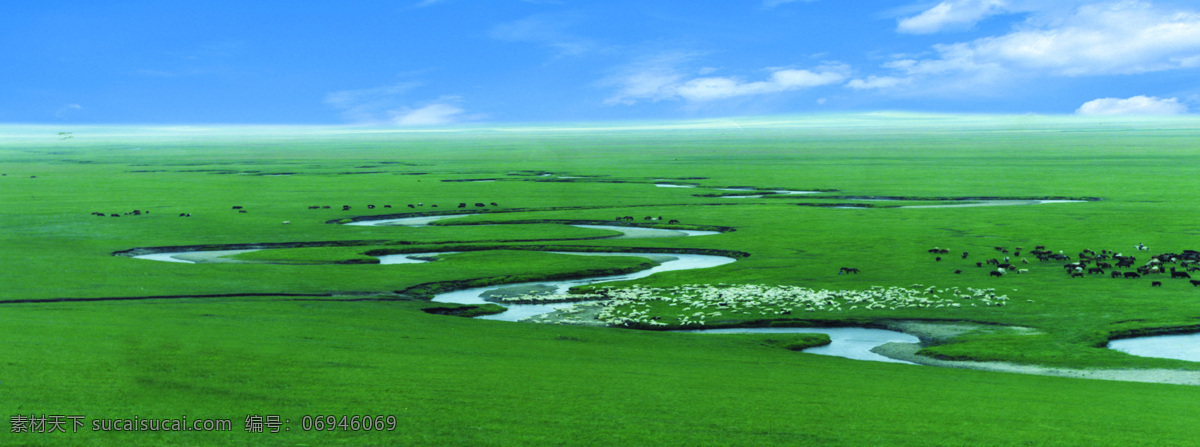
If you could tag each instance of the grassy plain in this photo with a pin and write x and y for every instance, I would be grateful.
(462, 381)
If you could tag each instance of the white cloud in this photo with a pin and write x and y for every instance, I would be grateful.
(662, 81)
(436, 114)
(1112, 38)
(951, 14)
(1137, 105)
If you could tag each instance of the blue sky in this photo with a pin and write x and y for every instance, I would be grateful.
(418, 63)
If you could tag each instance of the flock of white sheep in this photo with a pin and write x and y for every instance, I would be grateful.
(694, 305)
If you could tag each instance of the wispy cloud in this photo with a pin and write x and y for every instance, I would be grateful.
(371, 104)
(444, 111)
(951, 14)
(550, 30)
(67, 111)
(659, 78)
(389, 105)
(1137, 105)
(773, 3)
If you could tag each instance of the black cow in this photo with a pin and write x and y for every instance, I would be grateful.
(237, 207)
(1132, 275)
(480, 204)
(996, 273)
(411, 206)
(462, 204)
(1175, 274)
(1156, 284)
(845, 270)
(1194, 283)
(673, 221)
(494, 204)
(1116, 274)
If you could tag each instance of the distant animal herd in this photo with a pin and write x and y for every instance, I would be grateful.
(1090, 263)
(242, 210)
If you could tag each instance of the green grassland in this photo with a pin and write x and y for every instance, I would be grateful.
(358, 342)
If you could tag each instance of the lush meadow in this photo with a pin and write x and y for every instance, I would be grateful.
(221, 339)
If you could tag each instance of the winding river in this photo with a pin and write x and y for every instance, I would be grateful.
(854, 343)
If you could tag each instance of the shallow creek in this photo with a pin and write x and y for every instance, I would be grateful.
(1180, 347)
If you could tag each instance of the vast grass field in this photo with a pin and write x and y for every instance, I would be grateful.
(311, 326)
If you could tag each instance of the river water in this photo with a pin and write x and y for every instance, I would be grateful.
(1180, 347)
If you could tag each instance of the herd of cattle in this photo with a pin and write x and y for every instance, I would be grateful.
(242, 210)
(411, 205)
(1089, 262)
(649, 218)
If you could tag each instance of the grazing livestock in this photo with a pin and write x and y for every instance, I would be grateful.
(479, 204)
(1020, 271)
(370, 207)
(326, 207)
(118, 215)
(1132, 275)
(411, 206)
(979, 264)
(958, 272)
(846, 270)
(1077, 275)
(287, 222)
(673, 221)
(1156, 284)
(242, 211)
(315, 207)
(964, 255)
(1194, 283)
(1116, 274)
(938, 259)
(993, 261)
(494, 204)
(237, 207)
(996, 273)
(462, 204)
(1175, 274)
(1097, 270)
(345, 207)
